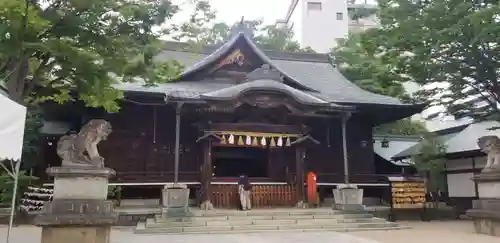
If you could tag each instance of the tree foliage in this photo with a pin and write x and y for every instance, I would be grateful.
(31, 139)
(430, 160)
(404, 127)
(7, 187)
(454, 43)
(364, 59)
(202, 28)
(361, 61)
(49, 48)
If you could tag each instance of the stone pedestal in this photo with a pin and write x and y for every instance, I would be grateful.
(485, 212)
(175, 200)
(348, 198)
(79, 211)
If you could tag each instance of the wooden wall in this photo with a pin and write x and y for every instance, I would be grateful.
(141, 148)
(327, 160)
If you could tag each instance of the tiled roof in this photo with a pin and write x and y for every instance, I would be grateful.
(460, 141)
(415, 149)
(466, 140)
(312, 72)
(181, 90)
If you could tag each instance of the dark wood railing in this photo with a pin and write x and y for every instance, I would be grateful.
(353, 178)
(263, 195)
(153, 176)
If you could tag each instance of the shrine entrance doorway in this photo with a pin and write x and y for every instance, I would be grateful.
(231, 162)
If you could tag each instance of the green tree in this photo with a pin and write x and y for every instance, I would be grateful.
(402, 127)
(203, 29)
(430, 161)
(200, 28)
(278, 38)
(51, 47)
(451, 42)
(31, 139)
(7, 186)
(360, 60)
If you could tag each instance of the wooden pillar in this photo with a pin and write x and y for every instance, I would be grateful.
(177, 140)
(345, 117)
(206, 176)
(299, 170)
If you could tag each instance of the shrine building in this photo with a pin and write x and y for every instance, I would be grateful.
(237, 109)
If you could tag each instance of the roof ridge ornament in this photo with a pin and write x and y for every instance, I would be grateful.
(241, 27)
(266, 71)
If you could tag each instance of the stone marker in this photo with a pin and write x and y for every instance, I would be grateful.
(485, 212)
(79, 211)
(348, 198)
(175, 200)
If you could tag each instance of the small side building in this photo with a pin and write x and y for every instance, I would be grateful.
(464, 160)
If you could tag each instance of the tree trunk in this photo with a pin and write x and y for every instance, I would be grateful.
(16, 80)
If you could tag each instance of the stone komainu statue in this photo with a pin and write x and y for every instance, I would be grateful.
(81, 148)
(491, 146)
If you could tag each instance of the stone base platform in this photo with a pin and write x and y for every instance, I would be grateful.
(219, 221)
(79, 212)
(485, 212)
(486, 216)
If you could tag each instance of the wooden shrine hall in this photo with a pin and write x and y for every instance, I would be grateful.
(237, 109)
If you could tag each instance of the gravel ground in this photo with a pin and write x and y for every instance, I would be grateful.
(422, 232)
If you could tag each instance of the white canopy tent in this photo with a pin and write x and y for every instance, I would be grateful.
(12, 121)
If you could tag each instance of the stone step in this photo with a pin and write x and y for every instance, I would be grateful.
(267, 228)
(162, 219)
(273, 231)
(266, 212)
(152, 223)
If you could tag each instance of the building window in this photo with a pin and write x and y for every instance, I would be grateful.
(340, 16)
(314, 6)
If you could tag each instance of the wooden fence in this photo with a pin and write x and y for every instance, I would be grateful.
(262, 196)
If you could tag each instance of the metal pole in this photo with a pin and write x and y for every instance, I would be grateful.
(13, 203)
(345, 117)
(177, 140)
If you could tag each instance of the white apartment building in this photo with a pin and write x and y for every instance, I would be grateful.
(320, 23)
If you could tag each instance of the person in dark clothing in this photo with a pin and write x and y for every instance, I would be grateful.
(244, 188)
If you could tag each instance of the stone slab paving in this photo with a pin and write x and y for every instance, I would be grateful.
(421, 232)
(32, 235)
(460, 231)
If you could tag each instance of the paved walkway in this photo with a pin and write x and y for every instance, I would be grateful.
(460, 231)
(32, 235)
(422, 232)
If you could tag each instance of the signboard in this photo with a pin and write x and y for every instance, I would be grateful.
(408, 194)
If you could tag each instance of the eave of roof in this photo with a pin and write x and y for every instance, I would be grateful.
(458, 139)
(265, 85)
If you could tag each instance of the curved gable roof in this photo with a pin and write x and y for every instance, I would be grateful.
(309, 72)
(266, 85)
(226, 48)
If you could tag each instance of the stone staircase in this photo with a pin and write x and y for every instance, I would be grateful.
(264, 220)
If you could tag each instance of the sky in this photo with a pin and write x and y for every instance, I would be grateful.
(230, 11)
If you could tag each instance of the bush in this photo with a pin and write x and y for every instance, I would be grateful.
(7, 187)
